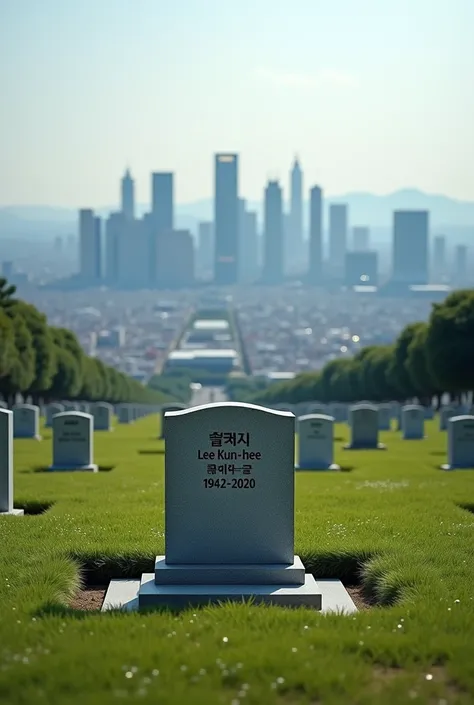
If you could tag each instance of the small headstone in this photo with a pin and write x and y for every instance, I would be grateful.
(316, 443)
(125, 413)
(164, 410)
(102, 414)
(385, 417)
(446, 413)
(71, 406)
(364, 425)
(51, 410)
(73, 439)
(413, 422)
(460, 443)
(318, 409)
(26, 421)
(428, 412)
(84, 407)
(6, 464)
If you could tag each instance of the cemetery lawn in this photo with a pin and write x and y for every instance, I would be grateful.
(395, 524)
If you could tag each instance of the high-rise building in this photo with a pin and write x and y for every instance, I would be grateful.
(460, 268)
(337, 237)
(175, 260)
(127, 193)
(162, 201)
(273, 235)
(410, 247)
(205, 249)
(133, 254)
(226, 219)
(90, 246)
(249, 257)
(315, 273)
(360, 238)
(114, 225)
(361, 268)
(294, 239)
(438, 266)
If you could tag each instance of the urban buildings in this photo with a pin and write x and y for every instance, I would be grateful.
(337, 237)
(294, 249)
(90, 247)
(361, 268)
(410, 248)
(127, 193)
(315, 275)
(360, 238)
(226, 219)
(273, 244)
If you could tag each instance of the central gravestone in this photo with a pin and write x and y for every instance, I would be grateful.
(460, 443)
(165, 409)
(73, 433)
(102, 414)
(364, 425)
(316, 443)
(229, 514)
(413, 422)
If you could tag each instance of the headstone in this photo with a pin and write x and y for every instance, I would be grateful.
(26, 421)
(52, 410)
(71, 406)
(318, 409)
(460, 443)
(446, 413)
(385, 417)
(413, 422)
(125, 413)
(364, 425)
(84, 407)
(339, 412)
(164, 410)
(316, 443)
(102, 413)
(6, 464)
(73, 437)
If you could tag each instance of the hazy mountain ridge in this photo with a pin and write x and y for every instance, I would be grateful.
(364, 209)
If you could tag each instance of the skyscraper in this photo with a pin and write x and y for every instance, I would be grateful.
(273, 235)
(294, 249)
(249, 259)
(205, 249)
(410, 247)
(460, 269)
(162, 201)
(337, 236)
(128, 196)
(226, 219)
(90, 250)
(361, 268)
(315, 274)
(360, 238)
(114, 225)
(439, 269)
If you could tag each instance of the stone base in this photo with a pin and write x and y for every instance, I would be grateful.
(130, 595)
(29, 438)
(13, 513)
(74, 468)
(457, 467)
(317, 468)
(362, 446)
(254, 574)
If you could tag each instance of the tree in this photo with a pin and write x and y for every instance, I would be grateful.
(450, 342)
(23, 369)
(7, 345)
(6, 293)
(399, 377)
(43, 344)
(67, 380)
(418, 368)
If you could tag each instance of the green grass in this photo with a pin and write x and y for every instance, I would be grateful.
(397, 523)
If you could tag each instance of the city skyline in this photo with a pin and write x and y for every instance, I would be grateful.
(367, 100)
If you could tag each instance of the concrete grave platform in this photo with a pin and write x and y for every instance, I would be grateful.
(333, 468)
(201, 574)
(13, 513)
(130, 595)
(74, 468)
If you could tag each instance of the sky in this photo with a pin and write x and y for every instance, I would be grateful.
(373, 95)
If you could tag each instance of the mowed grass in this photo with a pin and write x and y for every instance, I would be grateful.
(396, 523)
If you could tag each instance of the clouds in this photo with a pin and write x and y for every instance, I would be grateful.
(308, 81)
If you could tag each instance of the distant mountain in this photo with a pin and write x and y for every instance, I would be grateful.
(364, 209)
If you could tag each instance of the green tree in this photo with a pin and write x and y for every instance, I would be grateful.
(23, 370)
(7, 345)
(67, 380)
(418, 368)
(400, 379)
(7, 292)
(44, 346)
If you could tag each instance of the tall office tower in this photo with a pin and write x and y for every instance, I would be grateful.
(90, 252)
(226, 219)
(337, 237)
(360, 238)
(162, 201)
(114, 225)
(127, 193)
(361, 268)
(438, 265)
(460, 269)
(410, 247)
(315, 272)
(273, 235)
(294, 249)
(175, 260)
(249, 248)
(205, 250)
(133, 254)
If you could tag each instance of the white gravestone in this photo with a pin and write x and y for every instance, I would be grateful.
(52, 410)
(446, 413)
(6, 464)
(460, 443)
(413, 422)
(316, 443)
(428, 412)
(164, 410)
(71, 406)
(319, 409)
(73, 437)
(364, 425)
(102, 414)
(26, 421)
(229, 512)
(385, 417)
(125, 413)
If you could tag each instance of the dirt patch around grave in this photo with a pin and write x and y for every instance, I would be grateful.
(89, 599)
(356, 593)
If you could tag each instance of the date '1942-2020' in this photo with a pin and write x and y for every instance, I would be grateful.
(235, 483)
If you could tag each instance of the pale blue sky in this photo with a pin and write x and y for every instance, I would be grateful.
(373, 95)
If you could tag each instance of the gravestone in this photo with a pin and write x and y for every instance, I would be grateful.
(428, 412)
(364, 426)
(338, 412)
(316, 443)
(52, 410)
(26, 421)
(125, 413)
(318, 409)
(164, 410)
(229, 515)
(6, 464)
(413, 422)
(385, 417)
(73, 437)
(71, 406)
(84, 407)
(102, 413)
(460, 443)
(446, 413)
